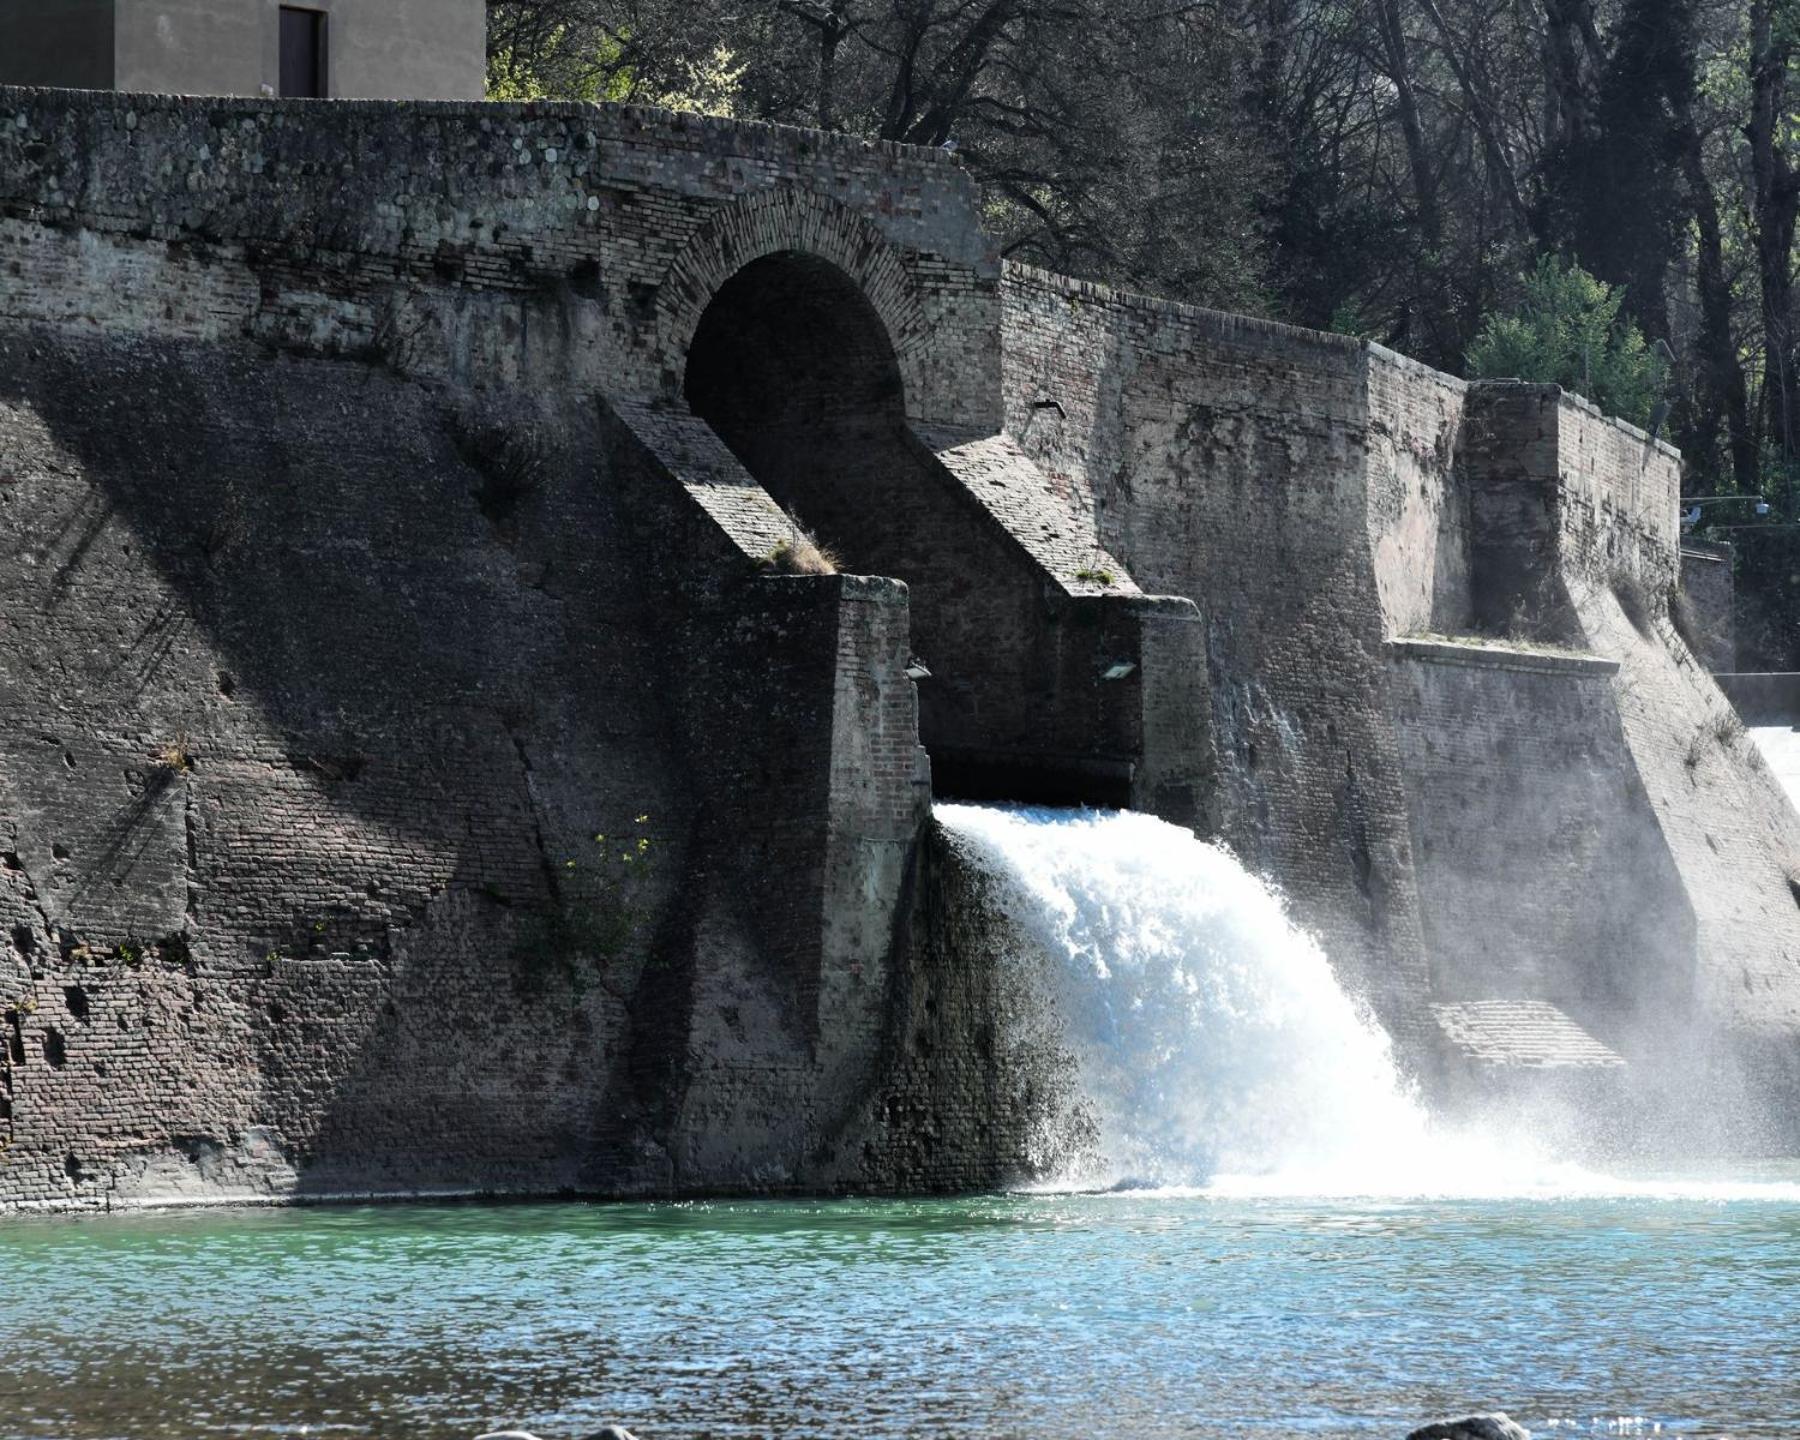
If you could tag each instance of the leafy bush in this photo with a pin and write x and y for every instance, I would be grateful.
(1568, 331)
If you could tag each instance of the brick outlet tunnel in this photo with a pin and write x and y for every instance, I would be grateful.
(793, 367)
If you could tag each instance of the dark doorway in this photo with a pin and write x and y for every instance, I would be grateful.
(302, 53)
(789, 343)
(793, 368)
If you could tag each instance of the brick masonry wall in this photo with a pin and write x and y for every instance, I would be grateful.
(1419, 521)
(371, 567)
(1542, 870)
(1688, 843)
(1228, 460)
(320, 685)
(308, 755)
(1730, 829)
(1706, 580)
(1317, 497)
(562, 245)
(379, 873)
(1734, 837)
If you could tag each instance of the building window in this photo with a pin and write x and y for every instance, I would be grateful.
(302, 52)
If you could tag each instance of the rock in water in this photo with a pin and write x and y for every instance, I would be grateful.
(609, 1432)
(1497, 1425)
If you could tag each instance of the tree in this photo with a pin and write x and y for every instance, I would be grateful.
(1107, 135)
(1568, 331)
(1774, 205)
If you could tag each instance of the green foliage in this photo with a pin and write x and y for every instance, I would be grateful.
(597, 912)
(586, 58)
(1567, 330)
(563, 65)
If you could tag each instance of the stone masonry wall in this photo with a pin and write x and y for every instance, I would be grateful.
(1488, 829)
(1228, 461)
(548, 245)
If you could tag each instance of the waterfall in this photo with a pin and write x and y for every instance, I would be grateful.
(1214, 1043)
(1216, 1049)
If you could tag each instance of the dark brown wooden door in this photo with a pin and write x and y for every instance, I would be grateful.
(302, 52)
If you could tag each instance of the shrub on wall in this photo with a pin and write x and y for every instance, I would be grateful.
(1567, 331)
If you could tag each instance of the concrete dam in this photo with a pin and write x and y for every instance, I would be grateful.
(422, 775)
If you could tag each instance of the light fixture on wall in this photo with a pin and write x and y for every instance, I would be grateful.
(1037, 408)
(1691, 516)
(915, 670)
(1118, 670)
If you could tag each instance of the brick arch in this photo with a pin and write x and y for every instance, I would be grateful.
(792, 221)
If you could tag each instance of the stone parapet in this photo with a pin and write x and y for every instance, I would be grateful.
(553, 244)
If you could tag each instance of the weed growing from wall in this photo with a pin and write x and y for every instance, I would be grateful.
(509, 450)
(599, 909)
(800, 553)
(1684, 615)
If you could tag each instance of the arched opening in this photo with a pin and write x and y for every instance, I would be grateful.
(790, 343)
(793, 368)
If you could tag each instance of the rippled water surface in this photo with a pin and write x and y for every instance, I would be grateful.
(1129, 1315)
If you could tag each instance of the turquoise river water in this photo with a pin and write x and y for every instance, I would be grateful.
(1192, 1277)
(1126, 1314)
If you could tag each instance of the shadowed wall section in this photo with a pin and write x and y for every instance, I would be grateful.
(793, 367)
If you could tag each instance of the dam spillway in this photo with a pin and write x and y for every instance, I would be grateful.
(1213, 1044)
(395, 539)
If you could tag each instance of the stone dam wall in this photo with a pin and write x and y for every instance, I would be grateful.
(419, 776)
(1454, 719)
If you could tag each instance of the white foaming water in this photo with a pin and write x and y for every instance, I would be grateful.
(1217, 1048)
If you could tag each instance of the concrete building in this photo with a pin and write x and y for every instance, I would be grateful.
(389, 49)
